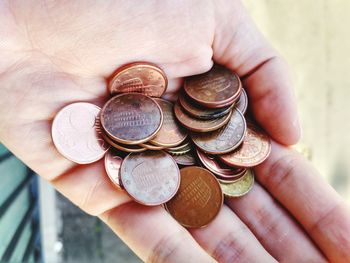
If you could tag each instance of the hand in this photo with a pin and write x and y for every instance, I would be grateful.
(54, 53)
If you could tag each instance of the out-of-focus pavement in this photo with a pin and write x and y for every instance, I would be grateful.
(87, 239)
(314, 37)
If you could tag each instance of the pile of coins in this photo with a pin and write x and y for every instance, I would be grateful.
(146, 139)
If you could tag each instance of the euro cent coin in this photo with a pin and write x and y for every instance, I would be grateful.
(198, 125)
(200, 112)
(215, 88)
(255, 149)
(150, 178)
(225, 139)
(221, 170)
(198, 200)
(186, 159)
(131, 118)
(112, 165)
(242, 102)
(74, 133)
(240, 187)
(170, 134)
(139, 77)
(123, 147)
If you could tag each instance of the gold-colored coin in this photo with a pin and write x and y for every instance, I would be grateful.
(182, 151)
(240, 187)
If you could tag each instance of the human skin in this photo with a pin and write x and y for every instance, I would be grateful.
(53, 53)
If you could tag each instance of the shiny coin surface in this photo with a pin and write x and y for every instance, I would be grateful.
(216, 167)
(215, 88)
(123, 147)
(255, 149)
(236, 174)
(201, 112)
(112, 165)
(225, 139)
(74, 133)
(131, 118)
(240, 187)
(187, 148)
(199, 198)
(242, 102)
(150, 146)
(186, 159)
(150, 178)
(198, 125)
(231, 180)
(180, 147)
(139, 77)
(171, 133)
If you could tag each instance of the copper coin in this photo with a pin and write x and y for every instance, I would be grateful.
(201, 112)
(150, 146)
(123, 147)
(74, 133)
(180, 147)
(255, 149)
(240, 187)
(186, 159)
(237, 173)
(224, 140)
(131, 118)
(151, 177)
(173, 153)
(220, 169)
(215, 88)
(199, 198)
(139, 77)
(187, 148)
(198, 125)
(171, 133)
(242, 102)
(228, 104)
(112, 165)
(231, 180)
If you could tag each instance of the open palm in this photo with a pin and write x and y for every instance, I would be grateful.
(53, 53)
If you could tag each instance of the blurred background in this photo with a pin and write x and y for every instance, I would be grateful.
(315, 39)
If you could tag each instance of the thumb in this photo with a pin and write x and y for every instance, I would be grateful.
(240, 46)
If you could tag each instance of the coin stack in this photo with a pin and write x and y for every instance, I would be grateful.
(146, 139)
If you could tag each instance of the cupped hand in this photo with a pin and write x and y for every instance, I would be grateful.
(53, 53)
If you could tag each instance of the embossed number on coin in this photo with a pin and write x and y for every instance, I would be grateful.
(224, 140)
(255, 149)
(74, 133)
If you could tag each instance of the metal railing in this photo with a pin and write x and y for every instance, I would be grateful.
(30, 219)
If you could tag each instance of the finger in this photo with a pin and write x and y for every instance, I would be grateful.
(150, 232)
(228, 239)
(153, 234)
(282, 237)
(27, 113)
(314, 203)
(239, 45)
(89, 187)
